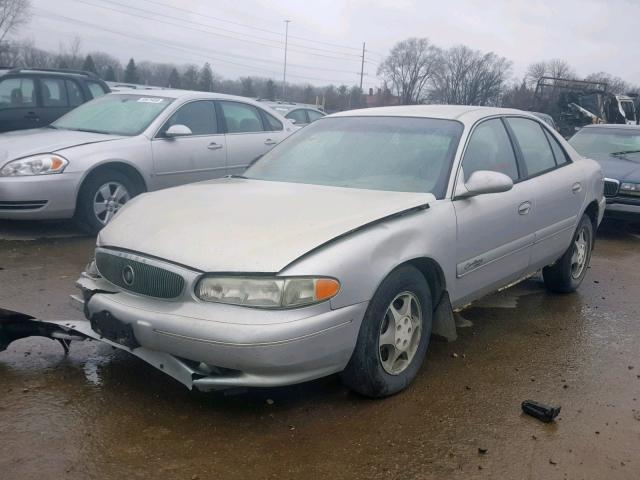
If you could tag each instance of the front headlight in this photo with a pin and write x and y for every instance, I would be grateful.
(630, 188)
(266, 292)
(45, 164)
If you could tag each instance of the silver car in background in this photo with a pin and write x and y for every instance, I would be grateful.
(341, 250)
(298, 113)
(94, 159)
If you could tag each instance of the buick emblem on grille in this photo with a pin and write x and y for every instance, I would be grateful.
(128, 275)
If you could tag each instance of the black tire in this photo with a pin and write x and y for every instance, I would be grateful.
(365, 373)
(85, 215)
(561, 277)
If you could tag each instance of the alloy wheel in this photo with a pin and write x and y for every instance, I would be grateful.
(109, 198)
(580, 253)
(400, 333)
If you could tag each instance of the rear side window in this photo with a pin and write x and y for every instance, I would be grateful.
(313, 115)
(490, 149)
(558, 152)
(199, 117)
(241, 118)
(96, 89)
(75, 95)
(17, 93)
(298, 116)
(54, 93)
(536, 151)
(272, 122)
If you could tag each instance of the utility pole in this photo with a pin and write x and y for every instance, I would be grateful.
(362, 66)
(286, 44)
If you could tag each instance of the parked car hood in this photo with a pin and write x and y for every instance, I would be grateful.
(618, 167)
(239, 225)
(23, 143)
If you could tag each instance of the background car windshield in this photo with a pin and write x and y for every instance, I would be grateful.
(377, 153)
(589, 141)
(114, 114)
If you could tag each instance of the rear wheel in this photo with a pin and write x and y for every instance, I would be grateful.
(568, 272)
(101, 197)
(394, 336)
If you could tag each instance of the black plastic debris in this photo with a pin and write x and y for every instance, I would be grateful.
(540, 411)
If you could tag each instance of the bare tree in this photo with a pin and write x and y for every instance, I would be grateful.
(470, 77)
(556, 68)
(409, 68)
(13, 14)
(614, 84)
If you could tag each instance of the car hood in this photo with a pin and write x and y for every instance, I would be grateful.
(619, 168)
(23, 143)
(239, 225)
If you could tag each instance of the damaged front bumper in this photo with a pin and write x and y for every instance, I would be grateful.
(207, 347)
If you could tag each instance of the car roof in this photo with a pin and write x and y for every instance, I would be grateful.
(183, 95)
(463, 113)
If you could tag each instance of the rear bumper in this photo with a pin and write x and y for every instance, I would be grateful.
(39, 197)
(232, 346)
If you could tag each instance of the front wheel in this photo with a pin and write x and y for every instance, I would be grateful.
(394, 336)
(568, 272)
(101, 197)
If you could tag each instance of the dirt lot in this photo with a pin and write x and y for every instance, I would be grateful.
(103, 414)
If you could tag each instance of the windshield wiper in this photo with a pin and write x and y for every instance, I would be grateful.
(238, 176)
(88, 131)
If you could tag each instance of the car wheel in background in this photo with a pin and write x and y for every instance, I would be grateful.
(394, 336)
(101, 196)
(567, 273)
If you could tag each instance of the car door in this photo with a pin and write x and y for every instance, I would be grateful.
(494, 232)
(201, 155)
(18, 103)
(250, 133)
(556, 181)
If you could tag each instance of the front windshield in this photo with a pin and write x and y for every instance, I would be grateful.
(114, 114)
(594, 141)
(378, 153)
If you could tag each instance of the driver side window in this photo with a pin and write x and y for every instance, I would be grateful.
(490, 149)
(199, 117)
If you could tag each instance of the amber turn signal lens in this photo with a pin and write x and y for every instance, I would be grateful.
(56, 163)
(326, 288)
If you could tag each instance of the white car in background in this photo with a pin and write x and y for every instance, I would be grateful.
(94, 159)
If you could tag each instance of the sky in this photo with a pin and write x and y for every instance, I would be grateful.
(246, 37)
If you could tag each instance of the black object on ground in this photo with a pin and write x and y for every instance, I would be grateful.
(540, 411)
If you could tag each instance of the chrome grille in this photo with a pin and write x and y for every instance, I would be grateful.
(611, 187)
(143, 278)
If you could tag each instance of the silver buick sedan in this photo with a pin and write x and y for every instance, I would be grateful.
(343, 249)
(93, 160)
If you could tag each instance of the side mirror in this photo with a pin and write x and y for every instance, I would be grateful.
(293, 120)
(482, 182)
(178, 131)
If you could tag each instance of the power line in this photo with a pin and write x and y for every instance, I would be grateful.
(252, 27)
(61, 18)
(241, 39)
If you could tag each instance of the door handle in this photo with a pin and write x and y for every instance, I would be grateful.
(214, 146)
(524, 208)
(269, 141)
(576, 187)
